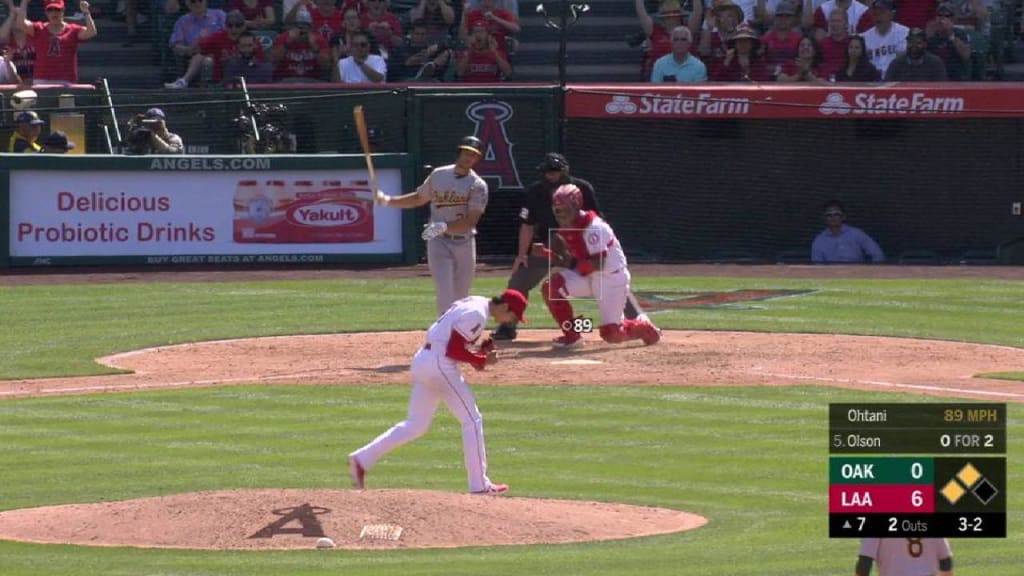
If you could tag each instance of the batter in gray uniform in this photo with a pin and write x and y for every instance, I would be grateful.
(458, 198)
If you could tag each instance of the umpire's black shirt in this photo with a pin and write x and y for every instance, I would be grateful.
(537, 212)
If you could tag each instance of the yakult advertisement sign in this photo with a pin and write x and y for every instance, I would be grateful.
(56, 213)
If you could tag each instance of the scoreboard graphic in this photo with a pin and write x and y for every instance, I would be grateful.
(931, 470)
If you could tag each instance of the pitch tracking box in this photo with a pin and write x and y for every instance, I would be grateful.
(962, 495)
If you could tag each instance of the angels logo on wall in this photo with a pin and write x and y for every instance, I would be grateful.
(497, 162)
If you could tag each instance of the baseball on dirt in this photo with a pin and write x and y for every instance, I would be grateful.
(325, 543)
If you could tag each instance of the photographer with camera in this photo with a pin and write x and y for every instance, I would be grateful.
(148, 134)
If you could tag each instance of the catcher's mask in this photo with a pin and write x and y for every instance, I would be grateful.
(567, 200)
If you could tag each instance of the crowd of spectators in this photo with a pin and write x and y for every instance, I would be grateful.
(818, 42)
(213, 41)
(351, 41)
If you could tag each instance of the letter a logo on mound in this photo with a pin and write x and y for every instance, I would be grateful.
(490, 119)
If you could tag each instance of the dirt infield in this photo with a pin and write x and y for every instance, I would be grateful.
(275, 519)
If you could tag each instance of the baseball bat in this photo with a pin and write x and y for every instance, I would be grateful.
(364, 141)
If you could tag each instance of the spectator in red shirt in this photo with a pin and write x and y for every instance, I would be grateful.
(351, 24)
(858, 66)
(56, 42)
(500, 23)
(299, 53)
(259, 14)
(743, 61)
(20, 50)
(718, 29)
(482, 61)
(780, 43)
(658, 30)
(915, 13)
(382, 25)
(215, 49)
(327, 19)
(833, 46)
(805, 67)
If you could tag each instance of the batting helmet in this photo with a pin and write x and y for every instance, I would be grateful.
(473, 144)
(567, 196)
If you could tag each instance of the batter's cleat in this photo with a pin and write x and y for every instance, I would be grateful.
(358, 474)
(493, 490)
(649, 333)
(568, 342)
(504, 332)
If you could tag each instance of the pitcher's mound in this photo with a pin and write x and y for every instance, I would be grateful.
(384, 519)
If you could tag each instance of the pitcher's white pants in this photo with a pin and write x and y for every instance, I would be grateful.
(436, 378)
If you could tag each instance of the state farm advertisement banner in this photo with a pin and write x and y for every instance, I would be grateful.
(894, 100)
(116, 213)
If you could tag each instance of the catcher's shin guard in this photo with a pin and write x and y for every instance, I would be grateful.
(556, 297)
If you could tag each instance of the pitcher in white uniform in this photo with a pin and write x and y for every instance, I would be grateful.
(458, 198)
(436, 378)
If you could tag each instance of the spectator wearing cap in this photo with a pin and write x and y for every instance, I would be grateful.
(857, 67)
(259, 14)
(361, 67)
(56, 41)
(804, 68)
(658, 29)
(781, 42)
(917, 64)
(482, 62)
(680, 65)
(715, 36)
(949, 42)
(743, 61)
(27, 127)
(748, 10)
(18, 47)
(419, 59)
(200, 22)
(299, 53)
(833, 46)
(887, 38)
(216, 49)
(841, 243)
(56, 142)
(859, 17)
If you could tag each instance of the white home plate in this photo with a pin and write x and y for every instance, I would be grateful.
(577, 361)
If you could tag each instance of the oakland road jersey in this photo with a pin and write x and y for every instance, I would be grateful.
(453, 196)
(467, 316)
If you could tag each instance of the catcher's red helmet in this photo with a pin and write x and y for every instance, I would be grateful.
(567, 196)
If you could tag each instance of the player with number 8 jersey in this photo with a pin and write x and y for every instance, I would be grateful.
(595, 267)
(905, 557)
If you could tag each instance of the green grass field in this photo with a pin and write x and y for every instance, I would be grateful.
(753, 460)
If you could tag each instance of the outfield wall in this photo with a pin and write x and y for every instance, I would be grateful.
(703, 172)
